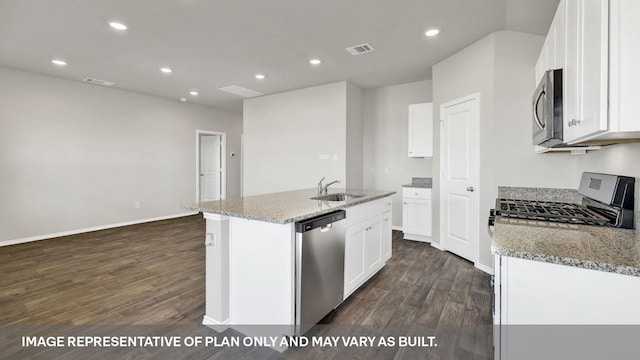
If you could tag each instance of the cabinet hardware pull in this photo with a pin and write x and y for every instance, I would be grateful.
(573, 122)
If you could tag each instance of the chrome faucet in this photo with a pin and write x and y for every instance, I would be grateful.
(322, 190)
(320, 187)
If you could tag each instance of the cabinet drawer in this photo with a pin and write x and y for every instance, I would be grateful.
(416, 193)
(386, 204)
(359, 213)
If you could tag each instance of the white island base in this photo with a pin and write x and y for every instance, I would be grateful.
(250, 267)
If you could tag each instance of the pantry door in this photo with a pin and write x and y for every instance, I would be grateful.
(459, 162)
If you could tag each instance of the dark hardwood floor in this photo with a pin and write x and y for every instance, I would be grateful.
(149, 278)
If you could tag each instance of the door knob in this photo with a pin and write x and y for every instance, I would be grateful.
(470, 189)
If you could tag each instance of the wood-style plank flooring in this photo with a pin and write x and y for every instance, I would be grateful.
(153, 275)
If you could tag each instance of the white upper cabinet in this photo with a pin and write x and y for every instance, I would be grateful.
(601, 79)
(624, 72)
(586, 69)
(552, 53)
(421, 130)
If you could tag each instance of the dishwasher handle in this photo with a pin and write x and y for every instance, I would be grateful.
(322, 221)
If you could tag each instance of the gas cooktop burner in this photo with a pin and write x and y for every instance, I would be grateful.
(549, 211)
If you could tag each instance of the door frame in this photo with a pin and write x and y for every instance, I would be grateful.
(223, 162)
(443, 218)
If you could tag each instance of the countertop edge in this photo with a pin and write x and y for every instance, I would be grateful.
(414, 186)
(560, 260)
(350, 203)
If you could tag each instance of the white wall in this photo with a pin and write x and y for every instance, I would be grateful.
(499, 67)
(354, 137)
(286, 134)
(75, 155)
(385, 114)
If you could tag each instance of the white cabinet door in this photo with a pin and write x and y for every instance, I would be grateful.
(586, 69)
(624, 72)
(372, 245)
(421, 130)
(386, 234)
(557, 39)
(354, 255)
(541, 64)
(553, 51)
(570, 79)
(416, 216)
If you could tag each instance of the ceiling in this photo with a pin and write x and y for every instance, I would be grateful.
(215, 43)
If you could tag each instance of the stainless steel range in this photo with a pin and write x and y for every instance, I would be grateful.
(608, 200)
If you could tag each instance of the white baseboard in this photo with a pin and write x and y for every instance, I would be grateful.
(437, 246)
(397, 228)
(484, 268)
(95, 228)
(215, 324)
(421, 238)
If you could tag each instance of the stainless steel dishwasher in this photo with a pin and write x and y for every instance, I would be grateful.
(319, 268)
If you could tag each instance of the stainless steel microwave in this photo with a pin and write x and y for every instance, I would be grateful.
(547, 110)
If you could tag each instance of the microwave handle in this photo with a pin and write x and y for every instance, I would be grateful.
(535, 110)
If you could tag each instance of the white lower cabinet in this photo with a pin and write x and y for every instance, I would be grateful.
(385, 233)
(416, 214)
(531, 292)
(354, 269)
(373, 244)
(367, 242)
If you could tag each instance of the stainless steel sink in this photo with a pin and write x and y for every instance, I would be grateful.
(337, 197)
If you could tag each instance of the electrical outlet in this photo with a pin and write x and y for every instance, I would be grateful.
(136, 205)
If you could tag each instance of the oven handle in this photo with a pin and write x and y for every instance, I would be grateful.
(535, 110)
(491, 222)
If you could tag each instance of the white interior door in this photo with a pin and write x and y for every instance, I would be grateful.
(210, 167)
(459, 159)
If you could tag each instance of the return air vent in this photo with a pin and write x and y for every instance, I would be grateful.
(360, 49)
(97, 82)
(239, 90)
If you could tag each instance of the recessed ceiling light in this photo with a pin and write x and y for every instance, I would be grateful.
(260, 76)
(183, 99)
(432, 32)
(118, 26)
(59, 62)
(193, 93)
(315, 61)
(166, 70)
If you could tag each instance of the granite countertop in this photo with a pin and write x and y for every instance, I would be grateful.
(420, 182)
(585, 246)
(284, 207)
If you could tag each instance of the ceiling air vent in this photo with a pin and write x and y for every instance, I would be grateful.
(360, 49)
(239, 90)
(97, 82)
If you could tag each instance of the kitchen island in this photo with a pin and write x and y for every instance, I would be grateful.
(251, 254)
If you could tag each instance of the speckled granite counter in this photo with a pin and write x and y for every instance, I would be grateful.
(284, 207)
(420, 182)
(540, 194)
(590, 247)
